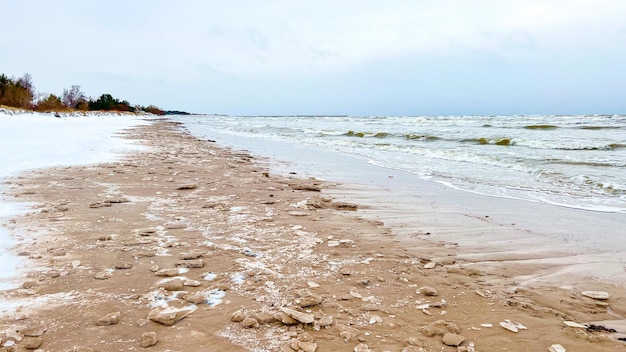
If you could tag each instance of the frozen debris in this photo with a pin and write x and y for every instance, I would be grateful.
(573, 324)
(512, 325)
(601, 295)
(556, 348)
(483, 294)
(430, 265)
(375, 319)
(355, 294)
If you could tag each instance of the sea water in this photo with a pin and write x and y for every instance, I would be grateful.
(571, 161)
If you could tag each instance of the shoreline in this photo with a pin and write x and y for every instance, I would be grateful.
(276, 245)
(590, 241)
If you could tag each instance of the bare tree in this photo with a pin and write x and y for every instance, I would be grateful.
(72, 97)
(26, 83)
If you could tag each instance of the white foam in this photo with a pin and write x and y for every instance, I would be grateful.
(209, 276)
(238, 278)
(214, 297)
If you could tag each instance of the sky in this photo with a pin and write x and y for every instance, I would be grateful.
(355, 57)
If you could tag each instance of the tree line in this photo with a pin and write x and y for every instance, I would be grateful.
(20, 93)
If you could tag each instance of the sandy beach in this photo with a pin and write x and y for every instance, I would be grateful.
(190, 246)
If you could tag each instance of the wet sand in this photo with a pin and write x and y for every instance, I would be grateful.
(192, 247)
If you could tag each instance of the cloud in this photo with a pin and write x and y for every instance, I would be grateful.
(290, 48)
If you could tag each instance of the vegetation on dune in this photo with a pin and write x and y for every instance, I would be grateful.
(20, 93)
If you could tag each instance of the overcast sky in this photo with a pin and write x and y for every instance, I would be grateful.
(357, 57)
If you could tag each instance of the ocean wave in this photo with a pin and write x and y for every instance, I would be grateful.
(594, 128)
(504, 141)
(541, 144)
(357, 134)
(421, 137)
(541, 127)
(409, 136)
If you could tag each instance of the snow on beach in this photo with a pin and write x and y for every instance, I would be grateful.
(37, 140)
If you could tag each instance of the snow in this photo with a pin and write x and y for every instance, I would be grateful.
(36, 140)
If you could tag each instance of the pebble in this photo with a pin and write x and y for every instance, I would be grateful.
(326, 321)
(440, 327)
(32, 343)
(192, 263)
(168, 316)
(173, 285)
(191, 255)
(237, 316)
(170, 272)
(285, 318)
(123, 265)
(307, 346)
(75, 264)
(109, 319)
(149, 339)
(145, 231)
(146, 254)
(310, 300)
(249, 323)
(103, 275)
(265, 317)
(192, 283)
(452, 339)
(299, 316)
(195, 299)
(187, 186)
(312, 284)
(428, 291)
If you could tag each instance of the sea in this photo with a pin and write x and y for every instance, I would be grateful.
(569, 161)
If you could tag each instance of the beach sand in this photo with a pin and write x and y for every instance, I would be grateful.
(188, 246)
